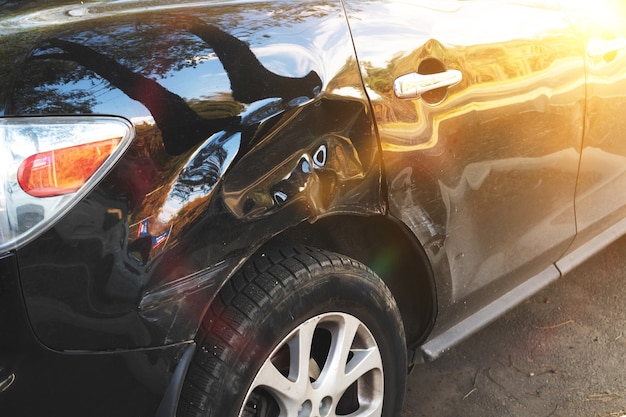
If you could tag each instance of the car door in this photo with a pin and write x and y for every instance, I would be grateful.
(481, 147)
(600, 196)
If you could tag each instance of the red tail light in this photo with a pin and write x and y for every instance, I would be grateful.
(48, 164)
(65, 170)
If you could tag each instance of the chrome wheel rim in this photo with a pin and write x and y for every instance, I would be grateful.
(330, 365)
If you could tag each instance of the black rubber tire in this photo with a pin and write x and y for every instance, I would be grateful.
(276, 291)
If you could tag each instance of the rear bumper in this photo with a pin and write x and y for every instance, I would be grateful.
(36, 381)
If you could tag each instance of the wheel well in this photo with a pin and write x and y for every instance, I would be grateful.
(388, 248)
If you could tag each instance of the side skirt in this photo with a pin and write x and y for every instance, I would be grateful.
(437, 345)
(591, 247)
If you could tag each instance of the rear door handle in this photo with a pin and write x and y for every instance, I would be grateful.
(413, 85)
(597, 48)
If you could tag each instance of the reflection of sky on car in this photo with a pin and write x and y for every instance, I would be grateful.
(465, 24)
(199, 176)
(281, 55)
(285, 60)
(111, 100)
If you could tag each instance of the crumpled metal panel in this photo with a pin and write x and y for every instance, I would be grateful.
(249, 119)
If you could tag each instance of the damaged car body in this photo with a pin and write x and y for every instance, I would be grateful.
(248, 208)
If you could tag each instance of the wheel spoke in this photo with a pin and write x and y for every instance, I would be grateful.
(363, 361)
(270, 378)
(338, 372)
(300, 349)
(343, 338)
(289, 391)
(280, 387)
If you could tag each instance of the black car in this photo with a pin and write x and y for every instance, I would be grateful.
(278, 208)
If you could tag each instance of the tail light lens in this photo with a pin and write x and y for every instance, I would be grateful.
(65, 170)
(47, 164)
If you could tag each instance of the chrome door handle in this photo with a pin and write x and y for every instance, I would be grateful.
(412, 86)
(7, 382)
(597, 48)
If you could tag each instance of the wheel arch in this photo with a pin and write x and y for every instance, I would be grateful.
(387, 247)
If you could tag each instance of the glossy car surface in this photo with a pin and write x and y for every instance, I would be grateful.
(463, 153)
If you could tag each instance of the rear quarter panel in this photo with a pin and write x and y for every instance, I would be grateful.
(250, 117)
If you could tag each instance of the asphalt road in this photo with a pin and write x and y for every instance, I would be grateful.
(561, 353)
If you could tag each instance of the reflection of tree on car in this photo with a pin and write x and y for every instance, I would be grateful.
(181, 127)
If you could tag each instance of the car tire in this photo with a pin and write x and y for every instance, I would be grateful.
(298, 332)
